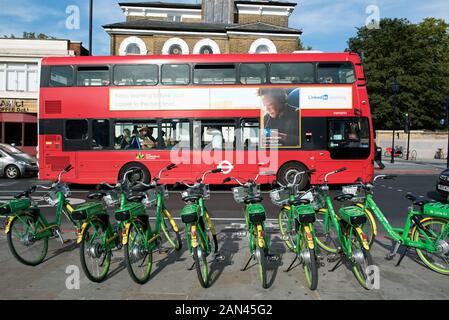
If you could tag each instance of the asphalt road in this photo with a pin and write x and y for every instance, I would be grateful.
(171, 280)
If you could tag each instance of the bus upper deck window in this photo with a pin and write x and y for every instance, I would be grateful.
(175, 74)
(253, 73)
(339, 73)
(136, 75)
(292, 73)
(214, 74)
(61, 76)
(93, 76)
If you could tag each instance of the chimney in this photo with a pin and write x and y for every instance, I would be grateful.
(218, 11)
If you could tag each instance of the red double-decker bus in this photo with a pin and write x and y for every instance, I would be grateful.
(289, 112)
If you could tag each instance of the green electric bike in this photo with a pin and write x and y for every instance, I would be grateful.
(342, 234)
(98, 236)
(296, 223)
(27, 230)
(139, 239)
(255, 216)
(199, 227)
(426, 227)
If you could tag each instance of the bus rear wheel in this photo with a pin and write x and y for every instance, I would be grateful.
(287, 172)
(140, 173)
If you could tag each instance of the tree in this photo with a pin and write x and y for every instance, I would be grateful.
(30, 35)
(300, 46)
(417, 56)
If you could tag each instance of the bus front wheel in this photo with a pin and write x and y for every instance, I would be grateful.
(140, 173)
(287, 172)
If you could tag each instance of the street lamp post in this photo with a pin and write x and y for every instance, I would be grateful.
(395, 89)
(90, 25)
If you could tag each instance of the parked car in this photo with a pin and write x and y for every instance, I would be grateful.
(15, 163)
(443, 184)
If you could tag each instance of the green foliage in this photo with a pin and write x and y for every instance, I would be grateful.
(417, 55)
(31, 35)
(300, 46)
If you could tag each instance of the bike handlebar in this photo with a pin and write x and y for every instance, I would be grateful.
(334, 172)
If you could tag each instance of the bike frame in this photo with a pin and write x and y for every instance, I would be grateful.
(402, 234)
(192, 241)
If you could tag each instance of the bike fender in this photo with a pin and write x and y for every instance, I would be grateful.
(81, 233)
(370, 216)
(125, 233)
(193, 239)
(8, 224)
(260, 235)
(363, 237)
(172, 222)
(309, 236)
(210, 224)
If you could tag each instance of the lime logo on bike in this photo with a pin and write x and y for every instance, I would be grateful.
(140, 156)
(8, 224)
(125, 233)
(70, 209)
(260, 235)
(309, 236)
(80, 234)
(193, 235)
(363, 237)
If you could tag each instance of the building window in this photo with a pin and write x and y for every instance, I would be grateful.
(13, 133)
(263, 45)
(175, 46)
(174, 18)
(132, 49)
(206, 46)
(132, 46)
(19, 77)
(30, 134)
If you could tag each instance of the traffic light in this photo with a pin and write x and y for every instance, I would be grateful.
(444, 115)
(407, 123)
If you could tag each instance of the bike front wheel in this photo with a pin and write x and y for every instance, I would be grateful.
(23, 241)
(200, 258)
(437, 261)
(95, 253)
(138, 256)
(309, 263)
(286, 231)
(262, 261)
(361, 260)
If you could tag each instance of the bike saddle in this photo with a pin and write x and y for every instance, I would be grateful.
(253, 200)
(344, 197)
(25, 193)
(415, 200)
(298, 202)
(136, 197)
(191, 198)
(96, 195)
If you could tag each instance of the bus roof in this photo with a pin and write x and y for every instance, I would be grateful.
(201, 58)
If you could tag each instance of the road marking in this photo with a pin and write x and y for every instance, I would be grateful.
(400, 190)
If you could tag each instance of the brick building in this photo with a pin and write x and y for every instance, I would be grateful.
(214, 26)
(19, 86)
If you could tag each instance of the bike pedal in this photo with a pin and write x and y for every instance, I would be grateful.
(273, 258)
(389, 257)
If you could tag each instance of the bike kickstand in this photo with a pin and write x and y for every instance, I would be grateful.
(403, 254)
(191, 268)
(337, 265)
(393, 252)
(247, 263)
(291, 264)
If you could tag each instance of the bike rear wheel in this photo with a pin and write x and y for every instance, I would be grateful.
(262, 261)
(370, 227)
(138, 256)
(437, 261)
(361, 259)
(95, 253)
(325, 234)
(200, 258)
(22, 243)
(286, 232)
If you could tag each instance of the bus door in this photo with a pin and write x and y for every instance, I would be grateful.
(214, 143)
(348, 145)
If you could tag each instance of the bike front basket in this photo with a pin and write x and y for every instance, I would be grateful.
(150, 198)
(241, 193)
(316, 200)
(280, 197)
(356, 190)
(51, 198)
(111, 199)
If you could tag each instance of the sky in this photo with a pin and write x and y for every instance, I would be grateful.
(326, 24)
